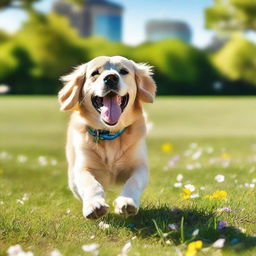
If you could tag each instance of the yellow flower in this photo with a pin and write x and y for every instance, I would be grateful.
(193, 247)
(218, 194)
(167, 147)
(186, 193)
(225, 156)
(1, 171)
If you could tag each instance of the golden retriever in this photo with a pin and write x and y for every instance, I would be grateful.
(106, 132)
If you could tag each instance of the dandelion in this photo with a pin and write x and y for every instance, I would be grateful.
(218, 244)
(193, 247)
(103, 225)
(218, 194)
(55, 252)
(167, 147)
(219, 178)
(186, 193)
(91, 248)
(225, 156)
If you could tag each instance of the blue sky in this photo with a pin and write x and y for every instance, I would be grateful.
(136, 13)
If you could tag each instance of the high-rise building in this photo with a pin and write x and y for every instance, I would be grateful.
(162, 29)
(95, 18)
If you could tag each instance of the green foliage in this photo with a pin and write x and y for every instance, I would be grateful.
(232, 15)
(235, 60)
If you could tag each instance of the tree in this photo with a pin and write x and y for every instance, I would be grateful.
(26, 5)
(232, 15)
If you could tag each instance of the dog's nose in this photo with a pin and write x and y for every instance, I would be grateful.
(111, 81)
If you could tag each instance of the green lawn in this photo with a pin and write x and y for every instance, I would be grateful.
(207, 136)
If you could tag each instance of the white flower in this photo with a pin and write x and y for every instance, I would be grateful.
(168, 242)
(195, 195)
(202, 188)
(54, 162)
(177, 184)
(14, 250)
(42, 160)
(125, 249)
(25, 197)
(195, 232)
(5, 155)
(190, 167)
(103, 225)
(193, 145)
(179, 177)
(196, 155)
(173, 227)
(190, 187)
(253, 180)
(68, 211)
(219, 178)
(22, 159)
(1, 202)
(218, 244)
(55, 252)
(18, 201)
(252, 185)
(92, 237)
(92, 248)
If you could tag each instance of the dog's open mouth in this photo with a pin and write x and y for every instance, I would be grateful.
(110, 106)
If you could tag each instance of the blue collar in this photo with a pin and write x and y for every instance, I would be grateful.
(104, 135)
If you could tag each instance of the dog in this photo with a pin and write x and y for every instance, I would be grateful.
(106, 132)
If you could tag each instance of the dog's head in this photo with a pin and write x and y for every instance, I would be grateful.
(108, 91)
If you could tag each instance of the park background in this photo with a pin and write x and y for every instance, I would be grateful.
(216, 59)
(202, 148)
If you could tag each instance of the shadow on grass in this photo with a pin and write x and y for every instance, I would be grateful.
(153, 222)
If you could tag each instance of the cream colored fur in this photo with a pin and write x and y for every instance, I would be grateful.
(93, 167)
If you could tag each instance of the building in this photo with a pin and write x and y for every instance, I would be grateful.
(95, 18)
(162, 29)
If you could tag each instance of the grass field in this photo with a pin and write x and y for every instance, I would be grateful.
(196, 137)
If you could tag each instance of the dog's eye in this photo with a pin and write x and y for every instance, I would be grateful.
(123, 71)
(95, 73)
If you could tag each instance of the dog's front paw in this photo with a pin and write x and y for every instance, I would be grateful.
(126, 206)
(95, 208)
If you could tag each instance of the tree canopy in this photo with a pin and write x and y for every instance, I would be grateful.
(232, 15)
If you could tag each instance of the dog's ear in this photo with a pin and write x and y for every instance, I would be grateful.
(145, 83)
(69, 95)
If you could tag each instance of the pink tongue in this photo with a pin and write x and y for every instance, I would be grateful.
(111, 111)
